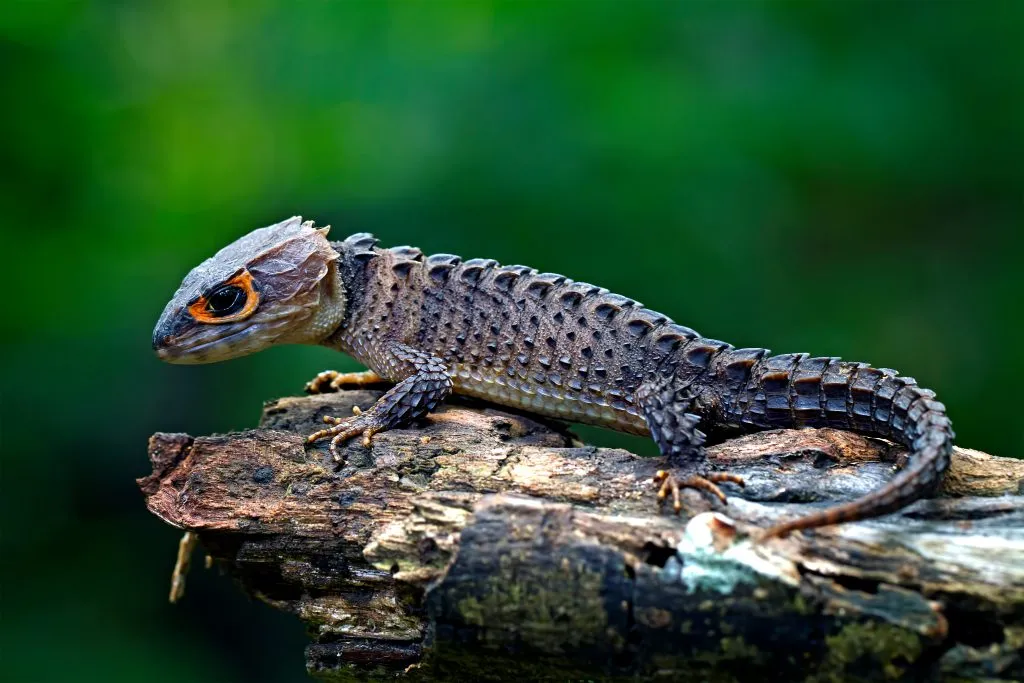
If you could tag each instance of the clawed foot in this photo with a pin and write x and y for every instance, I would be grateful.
(365, 424)
(668, 483)
(331, 380)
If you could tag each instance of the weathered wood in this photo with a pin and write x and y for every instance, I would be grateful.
(486, 545)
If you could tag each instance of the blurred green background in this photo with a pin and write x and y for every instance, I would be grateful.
(839, 178)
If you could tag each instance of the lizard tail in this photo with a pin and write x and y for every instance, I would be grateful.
(794, 389)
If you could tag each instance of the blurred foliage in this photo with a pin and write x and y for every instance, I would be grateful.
(840, 178)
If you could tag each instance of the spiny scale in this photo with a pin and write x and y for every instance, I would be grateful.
(570, 350)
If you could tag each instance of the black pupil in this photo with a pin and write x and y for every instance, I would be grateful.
(226, 300)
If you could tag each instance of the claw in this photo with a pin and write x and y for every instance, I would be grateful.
(317, 435)
(332, 380)
(720, 477)
(316, 385)
(669, 483)
(344, 429)
(704, 485)
(368, 435)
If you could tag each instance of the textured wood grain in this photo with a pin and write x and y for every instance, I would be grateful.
(484, 544)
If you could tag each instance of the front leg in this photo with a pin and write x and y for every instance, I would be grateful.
(666, 404)
(423, 383)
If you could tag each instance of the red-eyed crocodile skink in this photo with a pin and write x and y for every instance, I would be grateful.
(539, 342)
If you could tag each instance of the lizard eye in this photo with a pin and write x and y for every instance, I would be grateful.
(225, 301)
(234, 300)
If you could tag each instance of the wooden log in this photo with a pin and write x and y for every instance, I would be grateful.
(486, 545)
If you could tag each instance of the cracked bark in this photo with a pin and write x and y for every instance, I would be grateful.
(488, 545)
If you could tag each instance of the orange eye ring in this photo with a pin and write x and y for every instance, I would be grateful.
(200, 309)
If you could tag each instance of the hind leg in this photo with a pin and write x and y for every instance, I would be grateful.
(332, 380)
(666, 404)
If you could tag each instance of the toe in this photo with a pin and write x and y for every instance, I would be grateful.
(720, 477)
(703, 484)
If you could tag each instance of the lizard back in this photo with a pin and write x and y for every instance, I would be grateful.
(514, 336)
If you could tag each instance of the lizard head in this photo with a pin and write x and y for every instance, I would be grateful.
(276, 285)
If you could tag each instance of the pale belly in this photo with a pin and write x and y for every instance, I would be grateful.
(494, 385)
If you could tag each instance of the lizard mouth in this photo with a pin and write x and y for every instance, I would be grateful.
(188, 344)
(204, 349)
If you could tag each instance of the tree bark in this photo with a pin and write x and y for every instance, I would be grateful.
(484, 544)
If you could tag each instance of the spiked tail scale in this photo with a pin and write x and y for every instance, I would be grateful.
(793, 389)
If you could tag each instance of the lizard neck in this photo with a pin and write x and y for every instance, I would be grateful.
(330, 314)
(353, 281)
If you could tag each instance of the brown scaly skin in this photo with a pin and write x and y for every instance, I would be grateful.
(433, 325)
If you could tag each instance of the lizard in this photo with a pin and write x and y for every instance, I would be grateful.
(542, 343)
